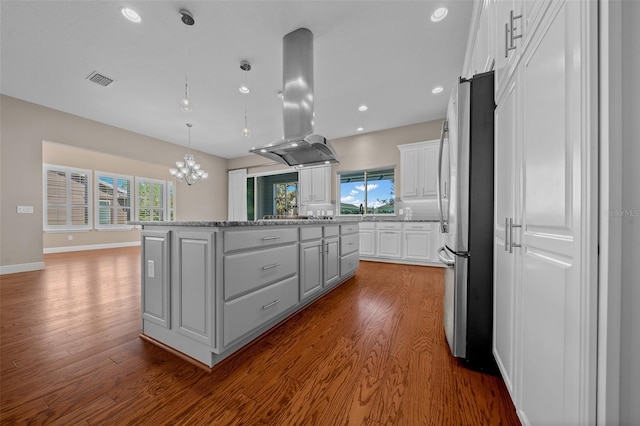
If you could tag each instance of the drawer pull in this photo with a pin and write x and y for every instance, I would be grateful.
(270, 266)
(350, 244)
(268, 305)
(270, 238)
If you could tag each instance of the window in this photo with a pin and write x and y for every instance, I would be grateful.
(171, 201)
(150, 200)
(286, 195)
(368, 191)
(113, 200)
(67, 195)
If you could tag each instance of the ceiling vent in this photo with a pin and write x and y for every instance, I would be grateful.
(100, 79)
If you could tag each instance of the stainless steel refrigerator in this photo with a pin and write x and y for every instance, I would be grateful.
(466, 221)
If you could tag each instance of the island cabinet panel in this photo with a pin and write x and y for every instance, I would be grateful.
(311, 274)
(211, 288)
(248, 312)
(256, 238)
(331, 261)
(194, 260)
(155, 277)
(248, 271)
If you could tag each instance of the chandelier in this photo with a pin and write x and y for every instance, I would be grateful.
(189, 171)
(187, 20)
(244, 89)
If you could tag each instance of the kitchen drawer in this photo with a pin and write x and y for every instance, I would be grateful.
(331, 231)
(389, 225)
(310, 233)
(349, 263)
(349, 244)
(245, 272)
(367, 225)
(418, 226)
(256, 238)
(349, 229)
(254, 309)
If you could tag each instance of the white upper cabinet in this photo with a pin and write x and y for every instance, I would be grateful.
(315, 185)
(482, 53)
(418, 170)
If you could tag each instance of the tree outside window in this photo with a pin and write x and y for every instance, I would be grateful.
(286, 198)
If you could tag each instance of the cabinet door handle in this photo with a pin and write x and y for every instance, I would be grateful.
(268, 305)
(511, 243)
(270, 266)
(270, 238)
(506, 234)
(506, 40)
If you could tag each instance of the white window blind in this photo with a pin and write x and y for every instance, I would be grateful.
(67, 198)
(113, 200)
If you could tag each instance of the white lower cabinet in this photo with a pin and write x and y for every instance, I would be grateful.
(367, 239)
(311, 267)
(331, 261)
(400, 242)
(349, 249)
(245, 313)
(419, 242)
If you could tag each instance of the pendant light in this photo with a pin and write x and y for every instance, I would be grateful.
(246, 67)
(187, 20)
(189, 171)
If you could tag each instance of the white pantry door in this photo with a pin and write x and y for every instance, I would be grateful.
(556, 301)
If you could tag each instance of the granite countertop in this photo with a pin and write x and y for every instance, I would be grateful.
(338, 220)
(228, 223)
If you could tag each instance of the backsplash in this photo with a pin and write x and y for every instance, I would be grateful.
(414, 210)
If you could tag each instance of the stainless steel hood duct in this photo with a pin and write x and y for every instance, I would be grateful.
(300, 146)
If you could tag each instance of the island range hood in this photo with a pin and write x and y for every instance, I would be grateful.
(300, 145)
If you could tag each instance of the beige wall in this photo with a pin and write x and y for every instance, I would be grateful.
(23, 128)
(363, 151)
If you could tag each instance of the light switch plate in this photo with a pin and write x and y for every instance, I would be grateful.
(25, 209)
(151, 269)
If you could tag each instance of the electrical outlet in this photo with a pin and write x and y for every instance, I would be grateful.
(151, 269)
(70, 238)
(25, 209)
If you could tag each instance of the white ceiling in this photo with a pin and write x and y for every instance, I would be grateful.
(385, 54)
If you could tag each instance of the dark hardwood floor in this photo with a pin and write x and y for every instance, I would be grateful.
(372, 352)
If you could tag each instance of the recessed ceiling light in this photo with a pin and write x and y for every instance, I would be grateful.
(244, 90)
(327, 162)
(437, 89)
(131, 14)
(263, 150)
(439, 14)
(294, 144)
(360, 129)
(363, 108)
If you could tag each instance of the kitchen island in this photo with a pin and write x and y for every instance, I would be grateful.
(211, 287)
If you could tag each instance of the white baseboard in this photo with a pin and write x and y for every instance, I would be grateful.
(23, 267)
(90, 247)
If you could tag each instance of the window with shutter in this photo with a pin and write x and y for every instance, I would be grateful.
(113, 201)
(151, 199)
(67, 198)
